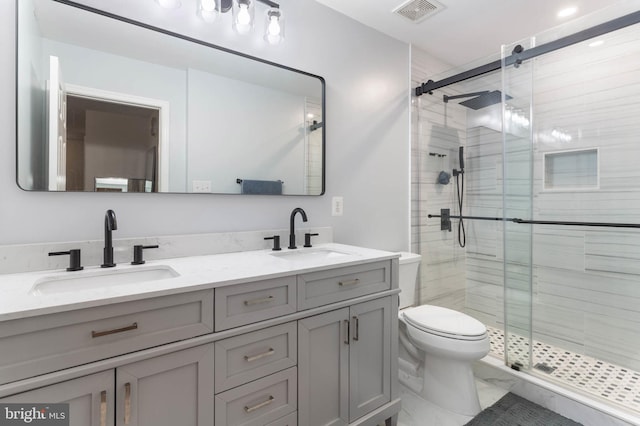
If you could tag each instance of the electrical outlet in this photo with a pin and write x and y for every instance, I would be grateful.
(337, 206)
(201, 186)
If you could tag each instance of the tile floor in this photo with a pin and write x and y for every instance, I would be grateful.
(418, 412)
(604, 380)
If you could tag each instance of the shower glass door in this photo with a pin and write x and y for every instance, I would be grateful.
(517, 203)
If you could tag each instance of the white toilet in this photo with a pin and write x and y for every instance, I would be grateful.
(442, 342)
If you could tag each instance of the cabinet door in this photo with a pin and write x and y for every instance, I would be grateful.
(369, 357)
(90, 398)
(169, 390)
(323, 363)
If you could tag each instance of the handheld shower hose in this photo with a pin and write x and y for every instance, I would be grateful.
(459, 174)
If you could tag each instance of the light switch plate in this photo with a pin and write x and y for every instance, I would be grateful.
(201, 186)
(337, 206)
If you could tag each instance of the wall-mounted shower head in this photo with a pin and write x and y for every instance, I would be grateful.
(480, 99)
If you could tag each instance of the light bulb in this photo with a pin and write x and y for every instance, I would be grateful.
(274, 31)
(169, 4)
(243, 15)
(274, 26)
(567, 12)
(208, 10)
(208, 5)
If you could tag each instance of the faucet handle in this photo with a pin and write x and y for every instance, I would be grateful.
(138, 258)
(307, 239)
(74, 259)
(276, 242)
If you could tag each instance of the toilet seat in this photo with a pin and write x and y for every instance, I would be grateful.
(445, 322)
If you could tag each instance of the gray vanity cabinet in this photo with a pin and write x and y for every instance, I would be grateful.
(323, 369)
(307, 349)
(344, 363)
(172, 389)
(369, 357)
(90, 398)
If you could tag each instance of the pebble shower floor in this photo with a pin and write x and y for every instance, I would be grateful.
(609, 381)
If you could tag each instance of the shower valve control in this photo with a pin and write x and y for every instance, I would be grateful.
(445, 219)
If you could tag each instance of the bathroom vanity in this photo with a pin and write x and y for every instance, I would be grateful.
(299, 337)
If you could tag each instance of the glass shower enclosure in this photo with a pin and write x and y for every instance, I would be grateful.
(555, 167)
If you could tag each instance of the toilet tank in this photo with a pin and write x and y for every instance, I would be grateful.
(407, 276)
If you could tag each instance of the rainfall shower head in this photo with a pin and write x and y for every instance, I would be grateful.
(480, 99)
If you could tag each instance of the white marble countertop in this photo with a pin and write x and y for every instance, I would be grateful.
(21, 298)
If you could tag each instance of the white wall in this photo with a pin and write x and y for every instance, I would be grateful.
(367, 127)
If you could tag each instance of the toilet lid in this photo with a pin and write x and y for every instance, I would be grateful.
(444, 321)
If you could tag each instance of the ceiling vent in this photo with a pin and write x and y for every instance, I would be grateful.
(417, 10)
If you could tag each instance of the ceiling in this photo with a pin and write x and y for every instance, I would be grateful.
(463, 31)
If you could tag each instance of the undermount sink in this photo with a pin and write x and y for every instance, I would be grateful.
(313, 254)
(101, 278)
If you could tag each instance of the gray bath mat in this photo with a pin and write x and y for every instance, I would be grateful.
(512, 410)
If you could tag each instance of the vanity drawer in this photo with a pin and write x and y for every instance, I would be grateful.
(324, 287)
(242, 304)
(37, 345)
(260, 402)
(248, 357)
(290, 420)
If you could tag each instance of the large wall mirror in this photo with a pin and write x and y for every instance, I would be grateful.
(105, 104)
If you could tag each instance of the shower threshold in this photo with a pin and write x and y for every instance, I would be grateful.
(592, 376)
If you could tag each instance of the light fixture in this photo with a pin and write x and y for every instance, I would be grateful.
(169, 4)
(243, 13)
(596, 43)
(274, 26)
(566, 12)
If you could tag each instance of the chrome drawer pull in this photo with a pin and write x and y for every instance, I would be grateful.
(95, 334)
(103, 408)
(258, 301)
(258, 406)
(127, 403)
(346, 283)
(270, 352)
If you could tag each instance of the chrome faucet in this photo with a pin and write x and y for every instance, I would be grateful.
(110, 224)
(292, 233)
